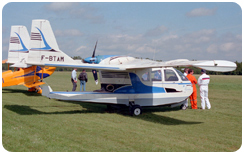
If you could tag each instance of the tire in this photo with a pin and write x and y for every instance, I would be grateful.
(183, 107)
(135, 110)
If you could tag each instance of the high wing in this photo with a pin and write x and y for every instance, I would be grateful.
(210, 65)
(45, 52)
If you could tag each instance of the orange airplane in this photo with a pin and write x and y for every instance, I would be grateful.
(27, 75)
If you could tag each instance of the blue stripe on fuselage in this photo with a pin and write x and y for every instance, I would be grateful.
(138, 87)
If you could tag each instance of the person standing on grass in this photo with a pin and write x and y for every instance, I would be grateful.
(74, 79)
(203, 82)
(186, 73)
(83, 79)
(193, 96)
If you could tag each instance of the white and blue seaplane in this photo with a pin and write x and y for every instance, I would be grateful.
(124, 80)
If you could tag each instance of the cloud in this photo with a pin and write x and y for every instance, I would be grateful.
(80, 48)
(68, 32)
(76, 10)
(201, 36)
(156, 31)
(201, 12)
(199, 45)
(213, 48)
(226, 47)
(60, 6)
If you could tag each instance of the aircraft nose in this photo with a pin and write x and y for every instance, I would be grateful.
(87, 60)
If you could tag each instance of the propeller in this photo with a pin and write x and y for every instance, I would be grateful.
(93, 58)
(94, 72)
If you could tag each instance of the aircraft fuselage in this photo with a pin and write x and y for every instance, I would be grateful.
(145, 87)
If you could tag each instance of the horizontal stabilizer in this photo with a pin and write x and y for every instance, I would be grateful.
(29, 85)
(20, 65)
(46, 91)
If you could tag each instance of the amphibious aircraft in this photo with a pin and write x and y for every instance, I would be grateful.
(124, 80)
(26, 75)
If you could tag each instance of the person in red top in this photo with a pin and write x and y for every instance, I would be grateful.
(193, 97)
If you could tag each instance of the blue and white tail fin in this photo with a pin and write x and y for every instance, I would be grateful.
(43, 45)
(18, 46)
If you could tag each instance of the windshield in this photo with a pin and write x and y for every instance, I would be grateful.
(182, 76)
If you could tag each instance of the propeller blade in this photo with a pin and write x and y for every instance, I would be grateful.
(93, 55)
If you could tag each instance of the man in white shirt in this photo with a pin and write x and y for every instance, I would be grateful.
(186, 103)
(186, 71)
(74, 79)
(203, 82)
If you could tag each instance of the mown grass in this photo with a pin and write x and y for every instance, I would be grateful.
(31, 122)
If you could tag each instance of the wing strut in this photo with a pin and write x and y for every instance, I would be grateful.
(42, 73)
(34, 74)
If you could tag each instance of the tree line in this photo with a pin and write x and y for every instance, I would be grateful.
(238, 70)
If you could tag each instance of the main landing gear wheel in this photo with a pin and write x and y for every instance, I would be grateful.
(135, 110)
(183, 107)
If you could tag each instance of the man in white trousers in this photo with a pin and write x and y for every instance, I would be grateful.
(203, 82)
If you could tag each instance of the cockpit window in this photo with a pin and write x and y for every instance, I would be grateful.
(145, 77)
(182, 76)
(156, 75)
(169, 75)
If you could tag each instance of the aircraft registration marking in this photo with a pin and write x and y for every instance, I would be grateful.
(53, 58)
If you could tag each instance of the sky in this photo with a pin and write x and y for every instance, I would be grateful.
(160, 30)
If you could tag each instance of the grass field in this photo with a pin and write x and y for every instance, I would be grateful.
(31, 122)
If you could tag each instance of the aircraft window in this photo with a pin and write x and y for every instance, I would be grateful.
(145, 76)
(123, 75)
(156, 75)
(170, 75)
(182, 76)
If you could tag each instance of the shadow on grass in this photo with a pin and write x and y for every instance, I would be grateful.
(28, 110)
(98, 108)
(164, 120)
(27, 93)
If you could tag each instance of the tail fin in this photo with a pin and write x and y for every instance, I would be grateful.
(43, 45)
(18, 45)
(46, 91)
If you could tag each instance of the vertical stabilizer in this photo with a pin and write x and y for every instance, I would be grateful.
(18, 44)
(43, 45)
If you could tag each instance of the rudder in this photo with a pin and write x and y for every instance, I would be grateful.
(43, 45)
(18, 45)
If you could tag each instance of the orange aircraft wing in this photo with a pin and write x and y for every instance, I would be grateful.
(31, 84)
(4, 61)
